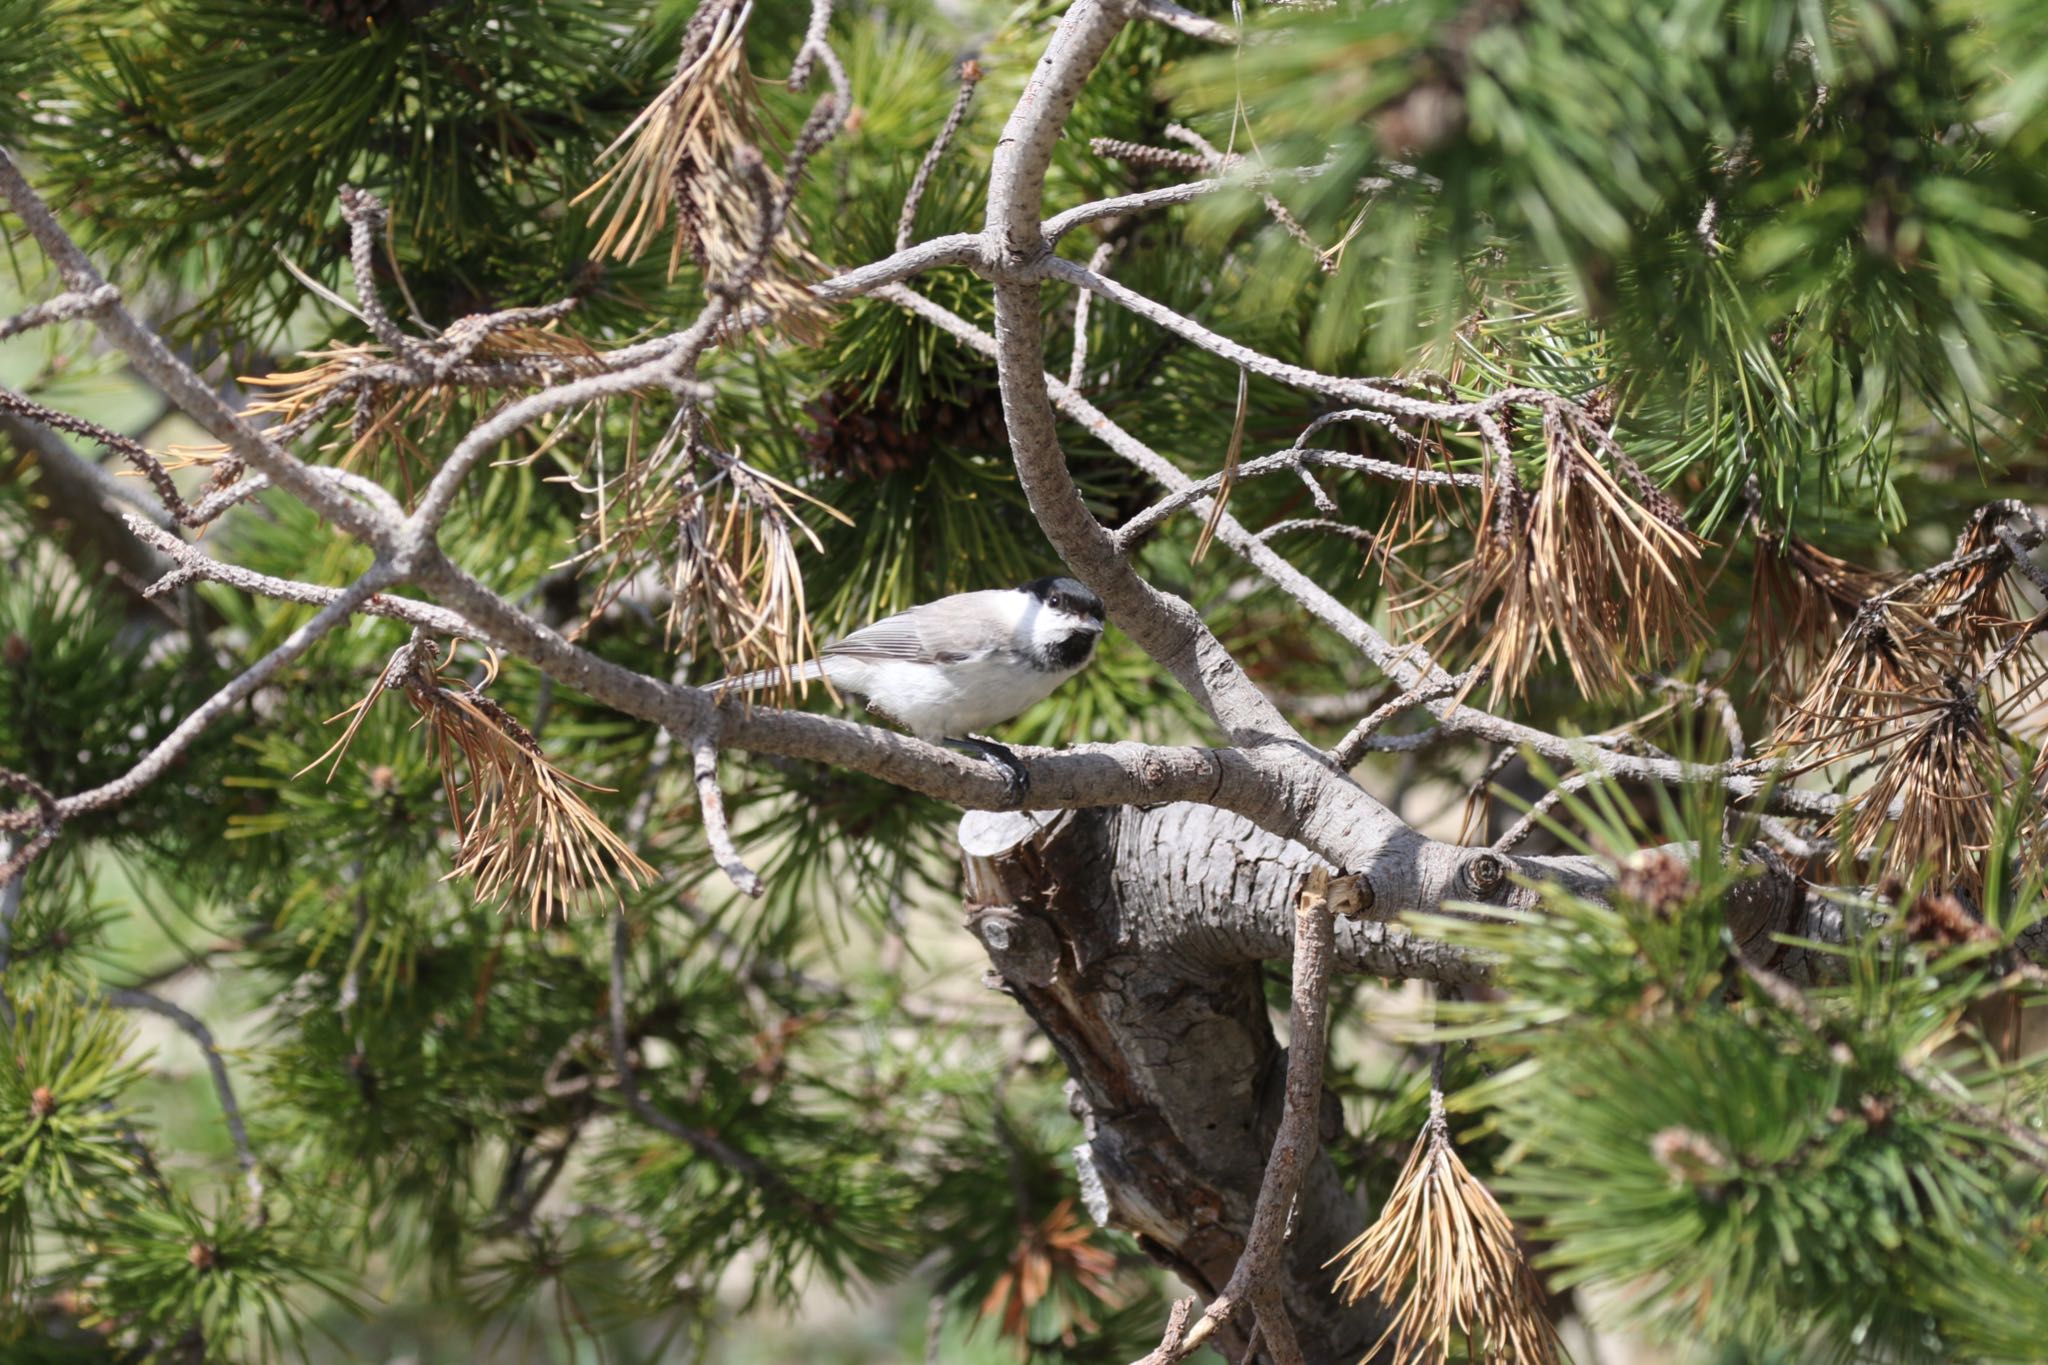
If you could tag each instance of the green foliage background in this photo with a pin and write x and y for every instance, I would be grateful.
(1860, 333)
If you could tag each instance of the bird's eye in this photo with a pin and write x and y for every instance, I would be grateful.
(1053, 601)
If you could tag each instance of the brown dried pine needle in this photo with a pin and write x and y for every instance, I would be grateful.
(525, 832)
(1801, 600)
(1977, 604)
(1445, 1254)
(724, 538)
(1946, 780)
(1581, 569)
(336, 381)
(1883, 669)
(678, 159)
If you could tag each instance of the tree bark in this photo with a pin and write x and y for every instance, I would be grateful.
(1128, 937)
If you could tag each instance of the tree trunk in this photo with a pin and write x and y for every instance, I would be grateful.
(1133, 940)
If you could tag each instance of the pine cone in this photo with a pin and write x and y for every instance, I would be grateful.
(859, 439)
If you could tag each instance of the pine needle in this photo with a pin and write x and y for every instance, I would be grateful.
(1947, 779)
(676, 160)
(1443, 1251)
(1580, 569)
(525, 832)
(1801, 599)
(724, 538)
(1228, 480)
(1882, 669)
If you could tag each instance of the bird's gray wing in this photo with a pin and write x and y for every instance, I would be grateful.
(945, 632)
(769, 677)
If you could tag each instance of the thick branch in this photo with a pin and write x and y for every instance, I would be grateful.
(1177, 1075)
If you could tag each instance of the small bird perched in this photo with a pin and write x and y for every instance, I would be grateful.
(963, 663)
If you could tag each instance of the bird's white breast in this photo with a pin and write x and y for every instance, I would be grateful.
(938, 701)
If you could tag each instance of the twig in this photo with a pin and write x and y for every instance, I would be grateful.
(1156, 158)
(166, 751)
(366, 215)
(1170, 1342)
(132, 451)
(1326, 525)
(711, 806)
(1354, 745)
(155, 364)
(128, 998)
(970, 76)
(1293, 1145)
(2022, 559)
(195, 564)
(957, 248)
(1705, 694)
(1288, 222)
(1077, 362)
(1060, 224)
(1360, 392)
(1548, 802)
(814, 46)
(1184, 20)
(1294, 459)
(64, 307)
(48, 823)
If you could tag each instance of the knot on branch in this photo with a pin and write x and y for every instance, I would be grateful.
(1484, 873)
(1024, 948)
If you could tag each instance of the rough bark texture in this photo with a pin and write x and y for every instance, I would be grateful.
(1100, 924)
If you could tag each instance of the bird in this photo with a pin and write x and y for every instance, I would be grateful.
(949, 668)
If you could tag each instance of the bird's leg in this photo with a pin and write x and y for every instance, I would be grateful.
(1016, 777)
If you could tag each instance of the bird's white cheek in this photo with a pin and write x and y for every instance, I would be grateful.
(1051, 628)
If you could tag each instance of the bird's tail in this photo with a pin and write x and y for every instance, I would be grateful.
(761, 679)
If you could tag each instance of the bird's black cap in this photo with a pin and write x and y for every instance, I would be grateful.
(1068, 594)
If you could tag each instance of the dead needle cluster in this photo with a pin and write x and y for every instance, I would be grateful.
(1444, 1256)
(526, 833)
(1584, 567)
(681, 160)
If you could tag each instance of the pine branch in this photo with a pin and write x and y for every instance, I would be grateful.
(131, 998)
(63, 308)
(1354, 746)
(166, 752)
(1407, 664)
(155, 363)
(970, 76)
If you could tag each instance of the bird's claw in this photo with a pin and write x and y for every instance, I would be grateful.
(1016, 777)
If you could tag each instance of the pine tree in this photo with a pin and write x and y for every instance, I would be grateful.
(1561, 475)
